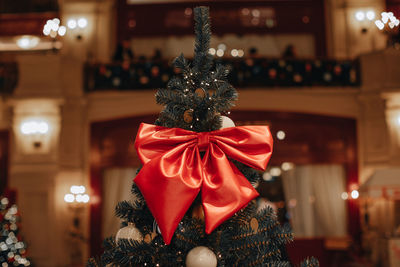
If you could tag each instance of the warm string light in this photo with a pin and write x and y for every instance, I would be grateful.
(221, 49)
(277, 171)
(281, 135)
(286, 166)
(11, 243)
(354, 194)
(267, 176)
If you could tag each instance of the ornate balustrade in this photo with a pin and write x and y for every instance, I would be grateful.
(250, 72)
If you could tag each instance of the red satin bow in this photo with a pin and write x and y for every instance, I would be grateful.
(173, 171)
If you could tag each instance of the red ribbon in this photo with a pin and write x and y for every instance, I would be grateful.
(173, 172)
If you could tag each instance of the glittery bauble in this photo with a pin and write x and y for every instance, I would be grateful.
(201, 257)
(129, 232)
(200, 92)
(254, 225)
(149, 237)
(226, 122)
(188, 116)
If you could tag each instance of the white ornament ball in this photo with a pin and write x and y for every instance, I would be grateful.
(129, 232)
(201, 257)
(227, 122)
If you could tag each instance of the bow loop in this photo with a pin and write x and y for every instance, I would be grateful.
(203, 140)
(173, 173)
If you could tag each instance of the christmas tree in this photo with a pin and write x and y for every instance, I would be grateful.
(12, 249)
(195, 203)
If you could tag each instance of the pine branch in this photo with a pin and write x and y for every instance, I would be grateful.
(225, 95)
(180, 62)
(202, 61)
(95, 262)
(310, 262)
(252, 175)
(175, 83)
(126, 210)
(221, 72)
(169, 97)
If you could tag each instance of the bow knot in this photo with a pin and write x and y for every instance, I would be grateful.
(173, 173)
(203, 140)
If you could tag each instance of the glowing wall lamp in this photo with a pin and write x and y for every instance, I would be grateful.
(76, 200)
(36, 130)
(77, 195)
(27, 42)
(80, 23)
(364, 17)
(77, 25)
(34, 127)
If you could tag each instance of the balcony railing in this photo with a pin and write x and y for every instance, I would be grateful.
(8, 77)
(250, 72)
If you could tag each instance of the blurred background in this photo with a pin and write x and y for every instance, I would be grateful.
(78, 77)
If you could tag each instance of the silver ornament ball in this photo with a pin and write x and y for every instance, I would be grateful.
(226, 122)
(129, 232)
(201, 257)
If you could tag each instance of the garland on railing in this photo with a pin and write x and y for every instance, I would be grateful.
(253, 72)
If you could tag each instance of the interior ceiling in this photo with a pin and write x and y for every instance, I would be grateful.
(134, 2)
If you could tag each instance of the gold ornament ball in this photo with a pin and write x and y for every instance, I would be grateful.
(200, 92)
(188, 116)
(201, 257)
(129, 232)
(226, 122)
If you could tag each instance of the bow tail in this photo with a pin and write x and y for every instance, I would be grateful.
(225, 190)
(170, 184)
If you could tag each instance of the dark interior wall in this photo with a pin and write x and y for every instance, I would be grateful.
(4, 150)
(27, 6)
(176, 19)
(393, 6)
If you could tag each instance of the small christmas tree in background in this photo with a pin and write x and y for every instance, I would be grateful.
(211, 228)
(12, 248)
